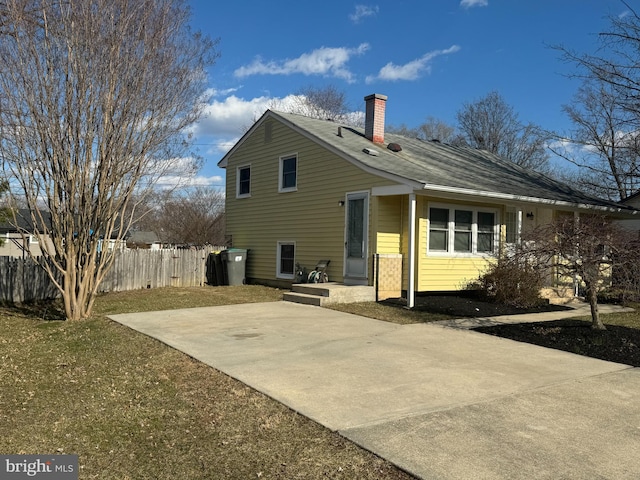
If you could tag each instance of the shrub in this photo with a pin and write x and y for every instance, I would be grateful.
(513, 281)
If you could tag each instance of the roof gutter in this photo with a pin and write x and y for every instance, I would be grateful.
(522, 198)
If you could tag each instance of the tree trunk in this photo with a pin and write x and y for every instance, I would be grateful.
(596, 323)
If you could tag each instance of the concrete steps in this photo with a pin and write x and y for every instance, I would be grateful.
(320, 294)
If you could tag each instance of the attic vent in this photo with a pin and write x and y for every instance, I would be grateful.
(370, 151)
(394, 147)
(435, 140)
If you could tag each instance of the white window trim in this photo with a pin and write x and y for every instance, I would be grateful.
(474, 231)
(33, 240)
(281, 189)
(279, 274)
(244, 195)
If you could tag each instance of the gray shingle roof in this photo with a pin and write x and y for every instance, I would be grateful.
(143, 237)
(439, 167)
(23, 221)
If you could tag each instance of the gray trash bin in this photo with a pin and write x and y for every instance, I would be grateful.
(233, 264)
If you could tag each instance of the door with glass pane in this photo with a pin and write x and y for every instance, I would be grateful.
(357, 227)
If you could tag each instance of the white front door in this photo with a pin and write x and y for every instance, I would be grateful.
(356, 238)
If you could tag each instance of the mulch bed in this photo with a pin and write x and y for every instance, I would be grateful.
(470, 306)
(615, 344)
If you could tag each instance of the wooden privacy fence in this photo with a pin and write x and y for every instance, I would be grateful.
(21, 280)
(134, 269)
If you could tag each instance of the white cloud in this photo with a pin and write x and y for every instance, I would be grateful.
(175, 181)
(224, 121)
(214, 92)
(363, 11)
(322, 61)
(412, 70)
(229, 116)
(474, 3)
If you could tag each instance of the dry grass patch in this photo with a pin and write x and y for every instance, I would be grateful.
(622, 319)
(393, 313)
(133, 408)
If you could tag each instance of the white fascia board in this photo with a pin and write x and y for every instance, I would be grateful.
(225, 160)
(524, 199)
(401, 189)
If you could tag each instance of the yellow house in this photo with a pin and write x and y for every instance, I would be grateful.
(389, 211)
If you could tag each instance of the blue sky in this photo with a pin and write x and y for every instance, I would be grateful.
(428, 56)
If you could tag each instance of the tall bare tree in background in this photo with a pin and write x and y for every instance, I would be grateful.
(194, 216)
(601, 145)
(605, 112)
(491, 124)
(325, 103)
(94, 98)
(432, 129)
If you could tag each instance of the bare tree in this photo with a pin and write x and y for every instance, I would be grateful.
(435, 129)
(95, 96)
(195, 216)
(403, 130)
(432, 129)
(606, 109)
(600, 144)
(588, 248)
(491, 124)
(325, 103)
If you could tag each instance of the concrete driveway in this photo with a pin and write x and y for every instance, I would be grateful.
(440, 402)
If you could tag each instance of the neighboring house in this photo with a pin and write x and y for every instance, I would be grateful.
(380, 206)
(632, 201)
(20, 238)
(19, 235)
(143, 239)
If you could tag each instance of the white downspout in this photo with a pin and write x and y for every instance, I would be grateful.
(576, 283)
(519, 226)
(411, 290)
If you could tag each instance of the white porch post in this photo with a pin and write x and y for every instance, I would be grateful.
(411, 290)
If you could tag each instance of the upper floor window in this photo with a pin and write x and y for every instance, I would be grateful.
(288, 174)
(243, 181)
(462, 230)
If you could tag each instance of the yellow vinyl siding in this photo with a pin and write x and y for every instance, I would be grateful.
(389, 225)
(310, 216)
(449, 273)
(446, 273)
(313, 218)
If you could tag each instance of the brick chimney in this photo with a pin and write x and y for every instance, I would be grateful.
(374, 117)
